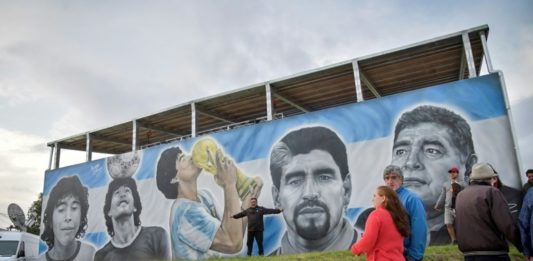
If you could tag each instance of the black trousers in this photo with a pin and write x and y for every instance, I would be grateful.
(258, 235)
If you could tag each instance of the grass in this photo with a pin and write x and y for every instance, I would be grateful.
(433, 253)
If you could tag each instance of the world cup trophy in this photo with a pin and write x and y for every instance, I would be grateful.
(203, 156)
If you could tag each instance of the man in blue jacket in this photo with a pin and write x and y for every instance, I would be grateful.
(525, 222)
(415, 243)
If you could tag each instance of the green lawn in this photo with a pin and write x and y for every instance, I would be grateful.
(433, 253)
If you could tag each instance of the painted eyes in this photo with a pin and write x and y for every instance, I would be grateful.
(299, 180)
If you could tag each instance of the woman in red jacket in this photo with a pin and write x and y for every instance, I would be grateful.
(385, 228)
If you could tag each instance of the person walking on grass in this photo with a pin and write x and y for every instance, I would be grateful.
(385, 229)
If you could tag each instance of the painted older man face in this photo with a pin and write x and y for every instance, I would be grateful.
(425, 152)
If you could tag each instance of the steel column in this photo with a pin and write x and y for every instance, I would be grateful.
(57, 155)
(89, 148)
(486, 51)
(193, 120)
(51, 157)
(135, 136)
(357, 80)
(268, 102)
(469, 56)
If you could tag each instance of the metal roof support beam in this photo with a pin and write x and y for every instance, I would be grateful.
(89, 148)
(159, 129)
(290, 102)
(369, 85)
(490, 69)
(57, 155)
(206, 112)
(357, 80)
(135, 139)
(193, 119)
(51, 157)
(268, 101)
(469, 56)
(98, 137)
(462, 66)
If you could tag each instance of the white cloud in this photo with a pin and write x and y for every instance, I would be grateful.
(23, 160)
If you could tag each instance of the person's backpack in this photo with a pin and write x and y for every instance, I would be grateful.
(456, 188)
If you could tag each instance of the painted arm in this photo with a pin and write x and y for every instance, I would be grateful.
(229, 237)
(441, 199)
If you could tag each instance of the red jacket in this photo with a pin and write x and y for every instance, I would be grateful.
(381, 239)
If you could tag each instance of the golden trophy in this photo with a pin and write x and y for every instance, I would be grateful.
(204, 156)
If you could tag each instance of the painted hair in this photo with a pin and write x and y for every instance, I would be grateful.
(66, 187)
(303, 141)
(166, 171)
(459, 129)
(113, 186)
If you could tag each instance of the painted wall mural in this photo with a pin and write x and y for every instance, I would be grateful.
(176, 200)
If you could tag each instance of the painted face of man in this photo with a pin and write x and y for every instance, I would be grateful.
(186, 170)
(122, 203)
(425, 152)
(66, 220)
(311, 192)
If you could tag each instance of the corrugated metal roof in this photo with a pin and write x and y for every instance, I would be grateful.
(436, 61)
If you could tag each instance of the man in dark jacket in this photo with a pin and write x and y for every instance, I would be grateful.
(484, 222)
(255, 215)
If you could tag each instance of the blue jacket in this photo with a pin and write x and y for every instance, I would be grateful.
(525, 223)
(415, 243)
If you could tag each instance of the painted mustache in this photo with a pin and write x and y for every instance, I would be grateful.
(311, 207)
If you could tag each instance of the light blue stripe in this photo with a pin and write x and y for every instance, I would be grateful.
(91, 174)
(477, 99)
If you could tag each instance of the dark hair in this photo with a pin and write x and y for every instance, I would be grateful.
(113, 186)
(67, 186)
(529, 171)
(166, 171)
(303, 141)
(393, 205)
(459, 129)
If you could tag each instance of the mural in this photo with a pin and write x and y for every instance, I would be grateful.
(177, 200)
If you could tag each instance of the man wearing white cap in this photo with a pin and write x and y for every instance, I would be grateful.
(484, 222)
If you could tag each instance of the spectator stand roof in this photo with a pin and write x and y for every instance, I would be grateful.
(439, 60)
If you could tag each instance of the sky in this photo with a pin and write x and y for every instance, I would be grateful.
(68, 67)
